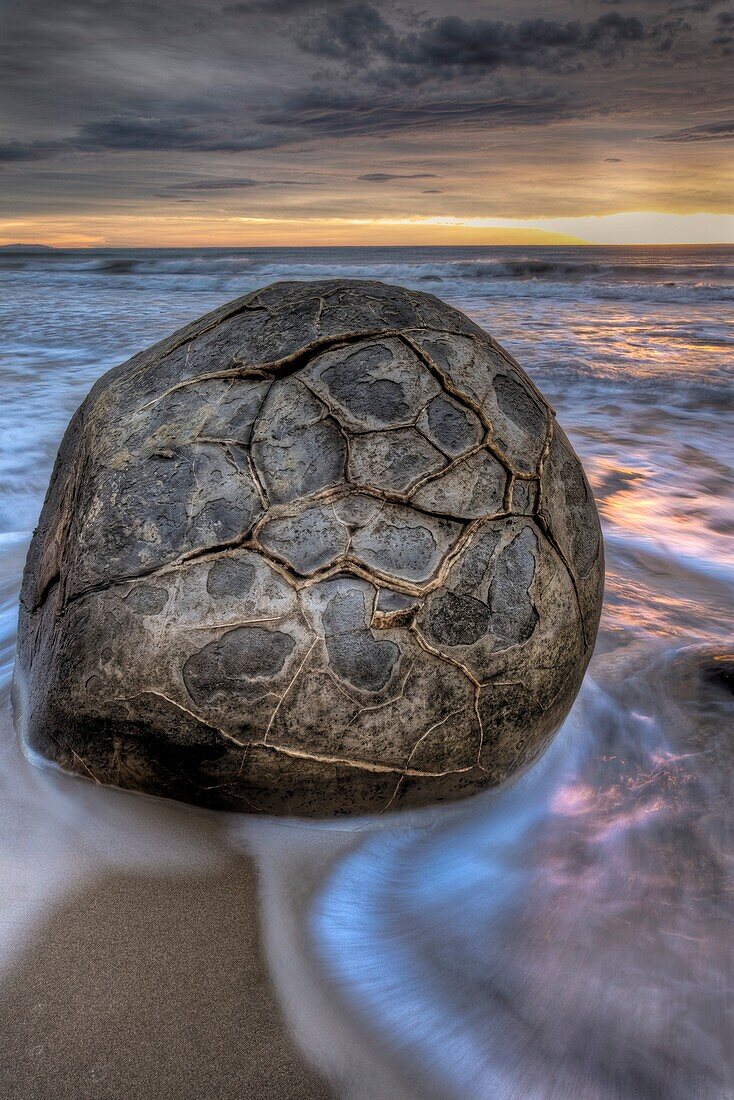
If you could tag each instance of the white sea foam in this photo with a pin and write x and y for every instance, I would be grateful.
(661, 275)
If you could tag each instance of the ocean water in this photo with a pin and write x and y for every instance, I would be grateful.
(570, 936)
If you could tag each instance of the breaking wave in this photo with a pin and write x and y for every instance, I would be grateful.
(673, 274)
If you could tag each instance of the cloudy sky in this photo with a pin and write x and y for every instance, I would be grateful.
(360, 121)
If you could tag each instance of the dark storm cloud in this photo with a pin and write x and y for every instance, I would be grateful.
(269, 96)
(216, 106)
(665, 33)
(683, 6)
(312, 114)
(712, 131)
(198, 63)
(233, 184)
(274, 7)
(383, 177)
(31, 150)
(322, 112)
(134, 134)
(724, 36)
(166, 133)
(358, 35)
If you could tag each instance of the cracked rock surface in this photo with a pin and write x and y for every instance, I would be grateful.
(323, 551)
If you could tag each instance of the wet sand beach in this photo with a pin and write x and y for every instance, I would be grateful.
(150, 986)
(133, 959)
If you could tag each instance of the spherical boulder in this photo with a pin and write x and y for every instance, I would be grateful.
(323, 551)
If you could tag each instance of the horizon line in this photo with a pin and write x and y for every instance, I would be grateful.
(41, 246)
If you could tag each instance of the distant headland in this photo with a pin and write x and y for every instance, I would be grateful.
(26, 248)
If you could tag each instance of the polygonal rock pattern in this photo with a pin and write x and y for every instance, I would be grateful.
(324, 551)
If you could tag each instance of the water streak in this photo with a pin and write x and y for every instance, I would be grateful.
(570, 936)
